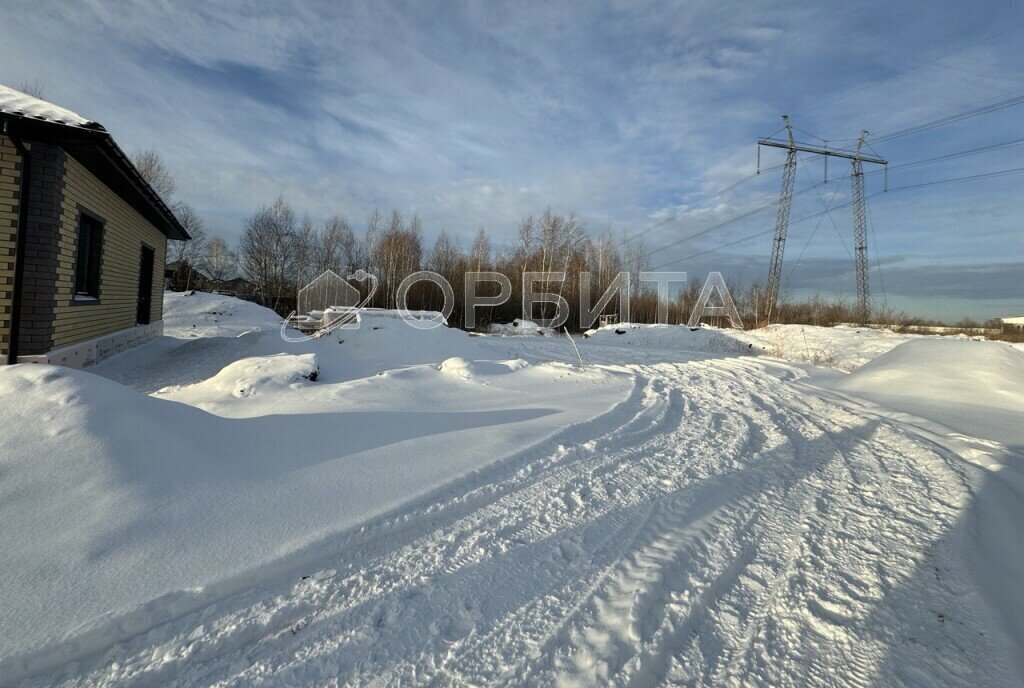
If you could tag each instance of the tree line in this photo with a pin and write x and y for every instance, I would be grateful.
(280, 251)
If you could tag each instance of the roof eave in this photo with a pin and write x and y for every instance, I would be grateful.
(72, 137)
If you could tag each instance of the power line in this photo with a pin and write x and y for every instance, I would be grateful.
(986, 175)
(959, 154)
(878, 261)
(748, 178)
(950, 119)
(940, 158)
(704, 200)
(815, 231)
(727, 222)
(966, 47)
(907, 70)
(915, 163)
(830, 218)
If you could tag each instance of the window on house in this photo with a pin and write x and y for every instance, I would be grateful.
(90, 248)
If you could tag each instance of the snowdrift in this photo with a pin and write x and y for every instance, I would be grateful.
(840, 347)
(520, 327)
(975, 387)
(669, 337)
(385, 343)
(219, 331)
(121, 509)
(192, 314)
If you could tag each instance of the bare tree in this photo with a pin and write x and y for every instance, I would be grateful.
(305, 251)
(186, 255)
(337, 247)
(267, 251)
(153, 169)
(32, 88)
(374, 226)
(220, 262)
(480, 254)
(446, 260)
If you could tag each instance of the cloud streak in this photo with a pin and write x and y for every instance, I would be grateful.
(475, 114)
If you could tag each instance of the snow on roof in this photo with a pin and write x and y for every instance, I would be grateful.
(17, 103)
(1015, 320)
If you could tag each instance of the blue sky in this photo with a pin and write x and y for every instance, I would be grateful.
(476, 115)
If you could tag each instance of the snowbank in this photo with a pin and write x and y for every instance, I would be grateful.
(521, 327)
(383, 342)
(192, 314)
(972, 386)
(121, 509)
(975, 388)
(669, 337)
(840, 347)
(208, 332)
(262, 374)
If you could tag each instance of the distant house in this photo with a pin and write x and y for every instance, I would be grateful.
(82, 239)
(181, 276)
(239, 286)
(1013, 324)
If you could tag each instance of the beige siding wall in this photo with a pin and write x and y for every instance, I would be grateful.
(10, 185)
(124, 233)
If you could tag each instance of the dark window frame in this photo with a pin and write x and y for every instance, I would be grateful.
(86, 289)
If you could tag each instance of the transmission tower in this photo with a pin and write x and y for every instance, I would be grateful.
(781, 222)
(860, 232)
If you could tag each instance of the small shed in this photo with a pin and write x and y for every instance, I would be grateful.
(1013, 323)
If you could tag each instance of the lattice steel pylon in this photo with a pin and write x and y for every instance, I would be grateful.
(786, 201)
(781, 225)
(860, 234)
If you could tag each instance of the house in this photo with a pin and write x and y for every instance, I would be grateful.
(239, 286)
(180, 276)
(82, 239)
(1013, 324)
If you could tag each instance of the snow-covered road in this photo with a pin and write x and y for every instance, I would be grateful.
(724, 525)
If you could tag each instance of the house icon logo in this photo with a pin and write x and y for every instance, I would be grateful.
(328, 303)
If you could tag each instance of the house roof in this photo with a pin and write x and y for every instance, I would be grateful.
(38, 120)
(18, 103)
(1014, 320)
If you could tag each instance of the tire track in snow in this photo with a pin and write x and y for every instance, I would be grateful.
(732, 530)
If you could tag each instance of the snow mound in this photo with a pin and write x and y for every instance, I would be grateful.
(249, 377)
(971, 386)
(384, 343)
(121, 510)
(468, 370)
(520, 327)
(677, 337)
(840, 347)
(194, 314)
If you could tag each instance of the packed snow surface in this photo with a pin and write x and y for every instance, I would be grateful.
(392, 506)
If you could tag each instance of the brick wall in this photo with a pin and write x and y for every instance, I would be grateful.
(10, 187)
(124, 233)
(42, 246)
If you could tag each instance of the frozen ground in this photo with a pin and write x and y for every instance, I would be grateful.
(681, 511)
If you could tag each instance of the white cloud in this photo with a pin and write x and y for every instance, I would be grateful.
(627, 113)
